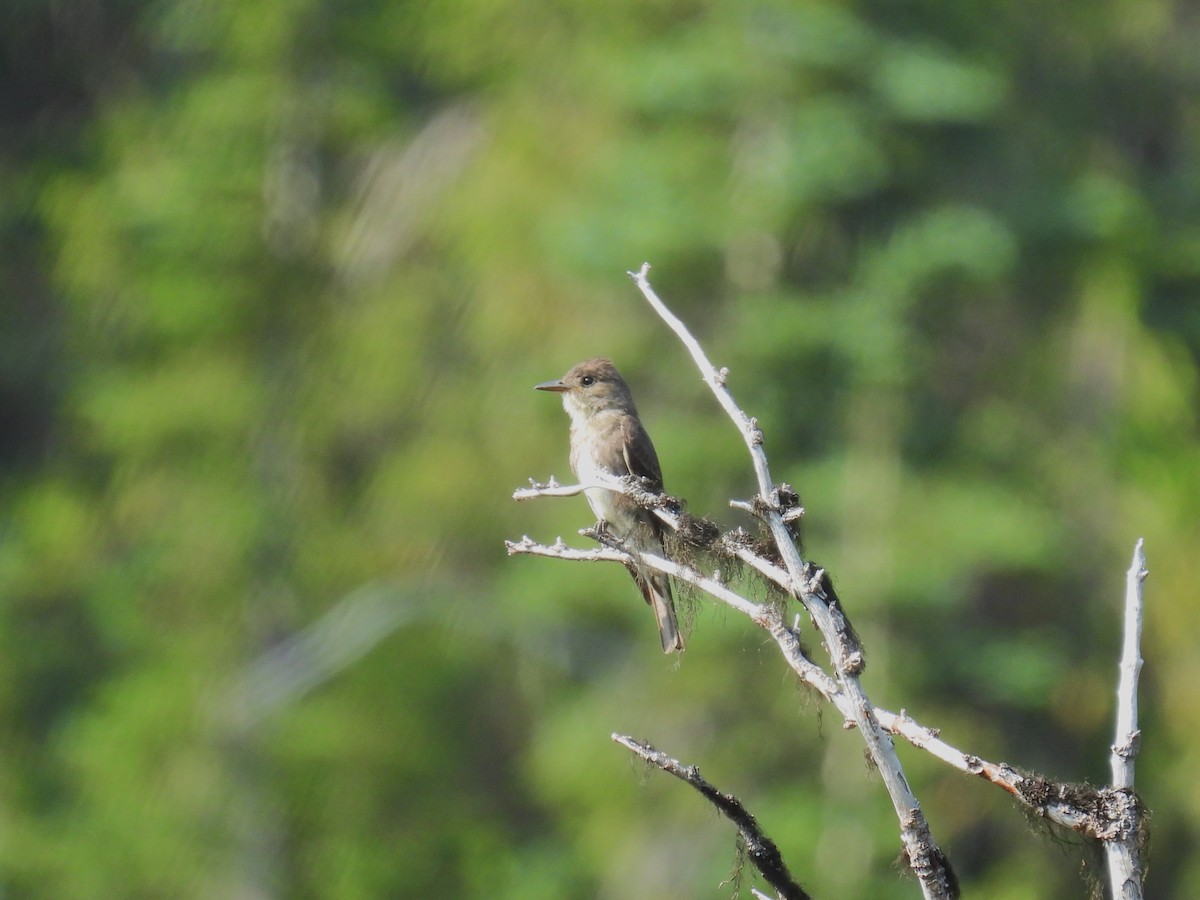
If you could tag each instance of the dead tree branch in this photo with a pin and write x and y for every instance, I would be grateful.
(760, 848)
(1123, 851)
(1091, 812)
(924, 856)
(1113, 816)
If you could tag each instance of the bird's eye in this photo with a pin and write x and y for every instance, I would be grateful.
(587, 380)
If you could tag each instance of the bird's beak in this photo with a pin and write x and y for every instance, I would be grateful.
(557, 386)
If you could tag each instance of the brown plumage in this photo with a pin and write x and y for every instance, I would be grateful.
(607, 436)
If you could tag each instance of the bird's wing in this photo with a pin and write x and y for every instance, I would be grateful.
(640, 458)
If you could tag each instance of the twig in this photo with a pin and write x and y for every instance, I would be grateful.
(761, 849)
(1124, 852)
(1128, 736)
(764, 615)
(549, 488)
(1091, 812)
(922, 852)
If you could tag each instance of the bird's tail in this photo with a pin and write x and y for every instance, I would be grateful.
(656, 588)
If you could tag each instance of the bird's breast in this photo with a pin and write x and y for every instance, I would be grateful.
(588, 471)
(593, 443)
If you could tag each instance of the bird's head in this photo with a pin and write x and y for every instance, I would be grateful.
(591, 387)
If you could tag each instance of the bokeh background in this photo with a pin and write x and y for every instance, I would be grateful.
(277, 279)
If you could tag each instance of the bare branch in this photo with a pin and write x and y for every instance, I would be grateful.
(616, 553)
(762, 851)
(923, 855)
(1080, 808)
(559, 550)
(1128, 736)
(1091, 812)
(1125, 869)
(765, 616)
(549, 488)
(1113, 816)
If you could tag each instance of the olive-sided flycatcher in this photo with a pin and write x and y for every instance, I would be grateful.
(607, 436)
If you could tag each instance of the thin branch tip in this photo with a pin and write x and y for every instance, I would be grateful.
(640, 274)
(760, 848)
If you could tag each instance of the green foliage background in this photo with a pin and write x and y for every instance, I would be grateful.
(277, 279)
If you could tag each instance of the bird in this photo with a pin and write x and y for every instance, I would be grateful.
(608, 437)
